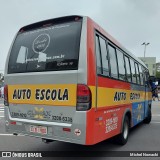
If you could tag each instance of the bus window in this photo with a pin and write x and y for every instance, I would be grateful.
(98, 55)
(147, 77)
(53, 48)
(120, 58)
(104, 57)
(128, 70)
(141, 75)
(144, 76)
(113, 61)
(137, 73)
(134, 79)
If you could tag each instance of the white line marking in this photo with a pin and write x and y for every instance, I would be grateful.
(9, 135)
(156, 115)
(155, 122)
(1, 116)
(6, 134)
(1, 111)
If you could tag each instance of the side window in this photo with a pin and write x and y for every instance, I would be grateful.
(120, 58)
(105, 65)
(134, 80)
(146, 77)
(128, 70)
(113, 61)
(98, 55)
(137, 73)
(141, 75)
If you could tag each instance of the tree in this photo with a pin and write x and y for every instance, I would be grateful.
(1, 79)
(157, 74)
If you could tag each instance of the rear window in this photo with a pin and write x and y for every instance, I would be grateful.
(52, 48)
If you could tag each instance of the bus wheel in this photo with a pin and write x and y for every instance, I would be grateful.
(122, 138)
(147, 120)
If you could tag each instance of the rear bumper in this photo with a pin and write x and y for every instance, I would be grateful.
(55, 130)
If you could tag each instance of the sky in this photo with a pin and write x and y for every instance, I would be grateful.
(131, 22)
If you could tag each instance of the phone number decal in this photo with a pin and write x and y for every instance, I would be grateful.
(62, 119)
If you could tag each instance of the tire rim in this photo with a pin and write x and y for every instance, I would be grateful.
(125, 133)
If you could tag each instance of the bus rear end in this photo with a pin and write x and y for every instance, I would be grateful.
(46, 94)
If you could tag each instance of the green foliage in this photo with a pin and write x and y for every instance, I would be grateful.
(157, 74)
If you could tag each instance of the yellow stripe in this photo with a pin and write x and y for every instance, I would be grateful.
(36, 94)
(106, 96)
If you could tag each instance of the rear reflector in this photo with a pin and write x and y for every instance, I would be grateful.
(67, 129)
(13, 122)
(6, 95)
(83, 97)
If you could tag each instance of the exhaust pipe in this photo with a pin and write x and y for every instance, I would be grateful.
(47, 140)
(15, 134)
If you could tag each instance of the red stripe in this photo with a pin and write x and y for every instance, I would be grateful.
(91, 66)
(113, 106)
(112, 83)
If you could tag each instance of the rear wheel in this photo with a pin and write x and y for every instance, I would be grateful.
(148, 119)
(123, 137)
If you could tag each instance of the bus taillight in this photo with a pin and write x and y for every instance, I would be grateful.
(6, 95)
(83, 97)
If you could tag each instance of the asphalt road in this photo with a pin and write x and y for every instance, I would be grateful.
(144, 137)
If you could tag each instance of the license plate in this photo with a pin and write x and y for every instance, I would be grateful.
(38, 129)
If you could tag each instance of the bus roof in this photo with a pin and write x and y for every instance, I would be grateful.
(49, 22)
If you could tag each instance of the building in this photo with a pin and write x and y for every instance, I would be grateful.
(150, 63)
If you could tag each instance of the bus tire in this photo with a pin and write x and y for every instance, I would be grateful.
(122, 138)
(148, 119)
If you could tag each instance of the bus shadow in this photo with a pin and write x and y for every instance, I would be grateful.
(107, 145)
(107, 148)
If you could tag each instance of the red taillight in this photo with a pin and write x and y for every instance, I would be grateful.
(13, 123)
(67, 129)
(83, 97)
(6, 95)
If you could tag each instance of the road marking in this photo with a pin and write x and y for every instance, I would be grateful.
(6, 134)
(155, 122)
(1, 134)
(1, 108)
(156, 115)
(1, 116)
